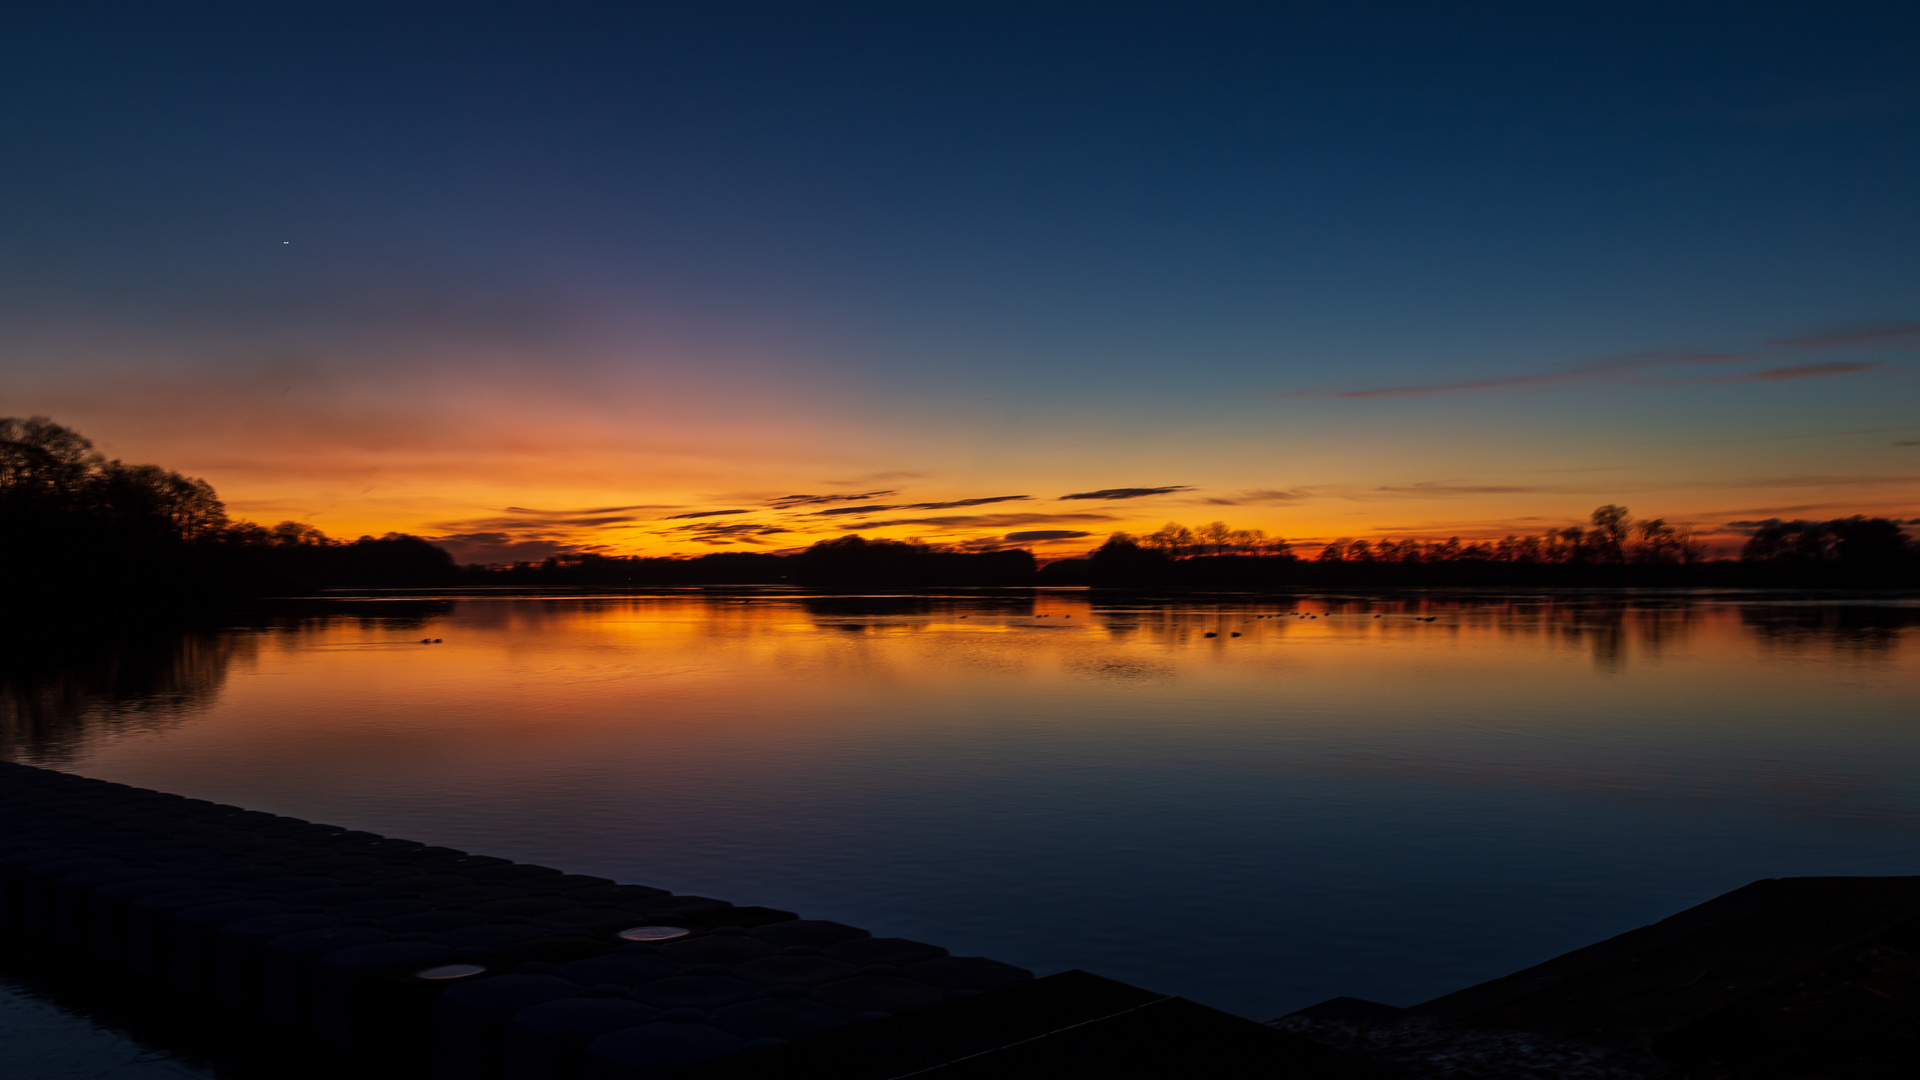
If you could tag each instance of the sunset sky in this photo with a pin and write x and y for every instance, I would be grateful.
(652, 278)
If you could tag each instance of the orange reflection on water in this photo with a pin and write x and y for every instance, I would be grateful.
(686, 674)
(1406, 794)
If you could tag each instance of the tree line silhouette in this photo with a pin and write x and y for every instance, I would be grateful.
(75, 524)
(845, 562)
(1613, 549)
(1612, 538)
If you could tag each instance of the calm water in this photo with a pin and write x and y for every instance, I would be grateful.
(1364, 802)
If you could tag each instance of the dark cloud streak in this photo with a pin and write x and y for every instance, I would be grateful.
(1892, 335)
(1126, 493)
(1796, 371)
(966, 502)
(1045, 534)
(1260, 495)
(720, 532)
(840, 510)
(985, 521)
(788, 502)
(573, 513)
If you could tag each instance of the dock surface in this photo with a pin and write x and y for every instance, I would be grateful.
(292, 948)
(280, 949)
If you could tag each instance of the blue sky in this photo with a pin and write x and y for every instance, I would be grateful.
(378, 266)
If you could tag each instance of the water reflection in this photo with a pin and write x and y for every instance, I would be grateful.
(61, 686)
(64, 684)
(1854, 626)
(1387, 796)
(57, 689)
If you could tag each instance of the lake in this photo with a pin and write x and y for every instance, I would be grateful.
(1257, 803)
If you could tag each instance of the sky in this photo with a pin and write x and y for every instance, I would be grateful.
(678, 278)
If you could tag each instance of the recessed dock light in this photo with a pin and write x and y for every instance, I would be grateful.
(654, 933)
(449, 971)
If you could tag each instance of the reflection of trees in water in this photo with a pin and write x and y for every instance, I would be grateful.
(846, 612)
(1658, 626)
(63, 685)
(1613, 628)
(59, 692)
(1866, 627)
(373, 616)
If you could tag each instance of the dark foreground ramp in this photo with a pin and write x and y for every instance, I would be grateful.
(1783, 978)
(285, 948)
(1071, 1024)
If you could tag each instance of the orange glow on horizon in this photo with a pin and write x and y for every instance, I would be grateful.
(505, 466)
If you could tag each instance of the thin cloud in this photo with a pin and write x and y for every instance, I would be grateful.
(1424, 389)
(917, 506)
(1771, 511)
(839, 510)
(521, 524)
(1813, 481)
(788, 502)
(719, 528)
(719, 532)
(1126, 493)
(529, 512)
(1877, 336)
(1796, 371)
(1908, 442)
(982, 521)
(1261, 495)
(966, 502)
(1613, 367)
(524, 518)
(703, 514)
(1890, 335)
(1045, 534)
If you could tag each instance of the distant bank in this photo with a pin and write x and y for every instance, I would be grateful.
(77, 527)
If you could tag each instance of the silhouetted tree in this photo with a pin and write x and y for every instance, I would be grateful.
(1661, 543)
(1607, 541)
(70, 519)
(1172, 539)
(1868, 543)
(1123, 561)
(854, 561)
(1846, 550)
(74, 523)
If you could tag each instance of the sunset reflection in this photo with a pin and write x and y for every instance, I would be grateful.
(987, 768)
